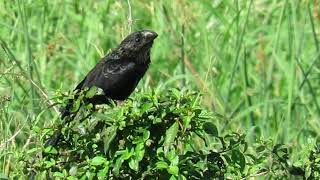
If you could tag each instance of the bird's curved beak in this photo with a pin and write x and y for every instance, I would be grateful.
(151, 35)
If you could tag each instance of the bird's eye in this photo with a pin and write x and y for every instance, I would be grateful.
(137, 39)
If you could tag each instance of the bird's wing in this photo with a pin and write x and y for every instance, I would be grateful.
(79, 86)
(107, 73)
(117, 67)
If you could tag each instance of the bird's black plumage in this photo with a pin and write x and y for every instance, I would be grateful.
(118, 73)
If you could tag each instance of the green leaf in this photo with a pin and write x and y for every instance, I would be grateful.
(117, 166)
(182, 177)
(36, 129)
(50, 150)
(108, 135)
(76, 105)
(30, 151)
(139, 153)
(139, 146)
(91, 92)
(260, 148)
(308, 172)
(127, 154)
(120, 152)
(186, 121)
(155, 100)
(134, 164)
(211, 129)
(146, 135)
(145, 107)
(58, 174)
(90, 175)
(73, 171)
(173, 178)
(238, 158)
(161, 165)
(174, 170)
(175, 160)
(171, 134)
(72, 178)
(97, 161)
(176, 93)
(89, 106)
(50, 163)
(197, 142)
(102, 174)
(171, 155)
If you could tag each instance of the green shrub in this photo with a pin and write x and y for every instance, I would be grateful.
(154, 136)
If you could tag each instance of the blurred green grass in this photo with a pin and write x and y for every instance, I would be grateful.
(255, 62)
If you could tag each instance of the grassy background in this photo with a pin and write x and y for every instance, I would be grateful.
(256, 62)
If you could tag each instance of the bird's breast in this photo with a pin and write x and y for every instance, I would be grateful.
(121, 87)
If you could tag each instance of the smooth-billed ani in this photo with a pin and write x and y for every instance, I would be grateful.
(117, 74)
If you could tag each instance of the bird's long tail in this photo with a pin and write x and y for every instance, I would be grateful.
(53, 140)
(68, 116)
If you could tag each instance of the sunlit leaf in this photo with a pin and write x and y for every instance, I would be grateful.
(174, 170)
(171, 134)
(76, 105)
(58, 174)
(50, 150)
(98, 160)
(91, 92)
(134, 164)
(102, 174)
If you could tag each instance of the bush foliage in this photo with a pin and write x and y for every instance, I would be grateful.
(255, 62)
(159, 136)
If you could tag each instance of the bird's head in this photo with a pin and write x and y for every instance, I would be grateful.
(138, 44)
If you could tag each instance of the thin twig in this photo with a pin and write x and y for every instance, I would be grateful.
(182, 53)
(200, 82)
(130, 21)
(11, 138)
(50, 103)
(27, 143)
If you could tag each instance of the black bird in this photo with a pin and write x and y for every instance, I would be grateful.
(117, 74)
